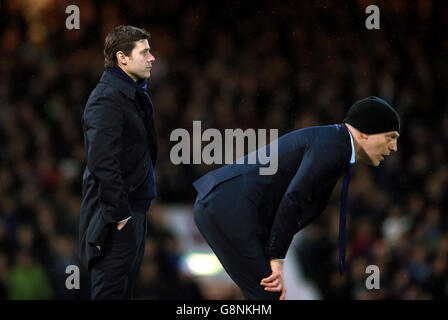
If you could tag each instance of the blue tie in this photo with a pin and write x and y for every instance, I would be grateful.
(342, 220)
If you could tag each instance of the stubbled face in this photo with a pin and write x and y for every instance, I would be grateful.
(138, 65)
(378, 146)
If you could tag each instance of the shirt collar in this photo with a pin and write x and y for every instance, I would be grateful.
(352, 159)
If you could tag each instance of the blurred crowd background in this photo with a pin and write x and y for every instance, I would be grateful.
(262, 64)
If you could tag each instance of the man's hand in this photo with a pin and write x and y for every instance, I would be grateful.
(121, 224)
(275, 282)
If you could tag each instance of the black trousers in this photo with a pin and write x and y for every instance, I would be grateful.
(114, 273)
(242, 258)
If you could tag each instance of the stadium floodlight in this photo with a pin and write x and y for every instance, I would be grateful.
(203, 264)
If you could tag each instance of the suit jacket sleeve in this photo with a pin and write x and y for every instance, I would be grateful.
(318, 165)
(104, 124)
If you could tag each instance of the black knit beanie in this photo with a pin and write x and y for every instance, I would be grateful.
(373, 115)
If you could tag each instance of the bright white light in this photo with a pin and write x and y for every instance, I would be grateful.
(203, 264)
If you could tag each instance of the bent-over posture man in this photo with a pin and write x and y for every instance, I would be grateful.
(249, 219)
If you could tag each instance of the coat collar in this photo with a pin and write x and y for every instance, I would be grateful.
(126, 88)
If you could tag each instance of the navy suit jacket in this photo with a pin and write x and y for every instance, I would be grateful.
(310, 161)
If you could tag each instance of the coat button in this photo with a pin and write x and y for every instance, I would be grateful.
(131, 188)
(145, 165)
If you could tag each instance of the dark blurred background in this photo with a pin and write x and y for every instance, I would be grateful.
(262, 64)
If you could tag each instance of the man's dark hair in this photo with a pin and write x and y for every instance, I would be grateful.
(122, 38)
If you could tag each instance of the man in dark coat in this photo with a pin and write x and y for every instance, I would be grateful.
(249, 219)
(118, 181)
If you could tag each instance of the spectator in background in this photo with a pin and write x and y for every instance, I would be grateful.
(3, 275)
(27, 280)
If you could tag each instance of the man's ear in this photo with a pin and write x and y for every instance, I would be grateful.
(121, 57)
(363, 136)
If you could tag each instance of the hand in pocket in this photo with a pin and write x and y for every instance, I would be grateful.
(121, 224)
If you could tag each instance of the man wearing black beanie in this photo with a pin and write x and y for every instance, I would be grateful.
(375, 127)
(249, 219)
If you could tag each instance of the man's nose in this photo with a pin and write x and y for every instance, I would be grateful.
(393, 147)
(151, 58)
